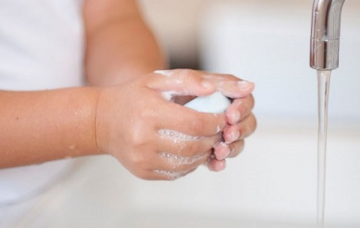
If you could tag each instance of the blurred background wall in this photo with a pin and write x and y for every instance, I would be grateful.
(265, 41)
(176, 23)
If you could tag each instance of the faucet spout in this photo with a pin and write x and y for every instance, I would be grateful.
(325, 34)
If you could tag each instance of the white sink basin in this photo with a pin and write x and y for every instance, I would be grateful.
(271, 184)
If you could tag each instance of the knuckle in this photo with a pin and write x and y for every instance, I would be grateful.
(147, 113)
(137, 137)
(137, 141)
(185, 75)
(139, 161)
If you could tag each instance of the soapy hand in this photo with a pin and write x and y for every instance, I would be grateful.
(157, 139)
(241, 124)
(152, 137)
(241, 121)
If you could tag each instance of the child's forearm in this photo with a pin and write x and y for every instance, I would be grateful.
(127, 122)
(47, 125)
(119, 45)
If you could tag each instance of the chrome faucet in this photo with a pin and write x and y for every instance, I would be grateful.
(325, 34)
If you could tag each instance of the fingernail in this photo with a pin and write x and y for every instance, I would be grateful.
(222, 152)
(245, 85)
(219, 166)
(235, 89)
(228, 85)
(233, 136)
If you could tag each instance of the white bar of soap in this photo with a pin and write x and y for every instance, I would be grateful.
(215, 103)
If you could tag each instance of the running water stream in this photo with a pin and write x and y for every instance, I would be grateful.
(323, 101)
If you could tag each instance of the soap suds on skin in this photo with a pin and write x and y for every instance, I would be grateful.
(180, 144)
(180, 160)
(218, 129)
(171, 175)
(166, 73)
(214, 103)
(168, 95)
(166, 133)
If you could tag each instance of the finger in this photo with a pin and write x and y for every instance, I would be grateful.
(176, 143)
(197, 83)
(237, 89)
(223, 150)
(181, 82)
(215, 165)
(239, 109)
(187, 121)
(241, 130)
(176, 163)
(236, 148)
(231, 86)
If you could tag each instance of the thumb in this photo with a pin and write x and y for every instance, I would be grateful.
(181, 82)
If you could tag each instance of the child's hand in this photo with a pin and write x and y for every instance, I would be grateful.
(157, 139)
(152, 137)
(241, 123)
(240, 120)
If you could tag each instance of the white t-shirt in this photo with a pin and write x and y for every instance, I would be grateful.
(41, 47)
